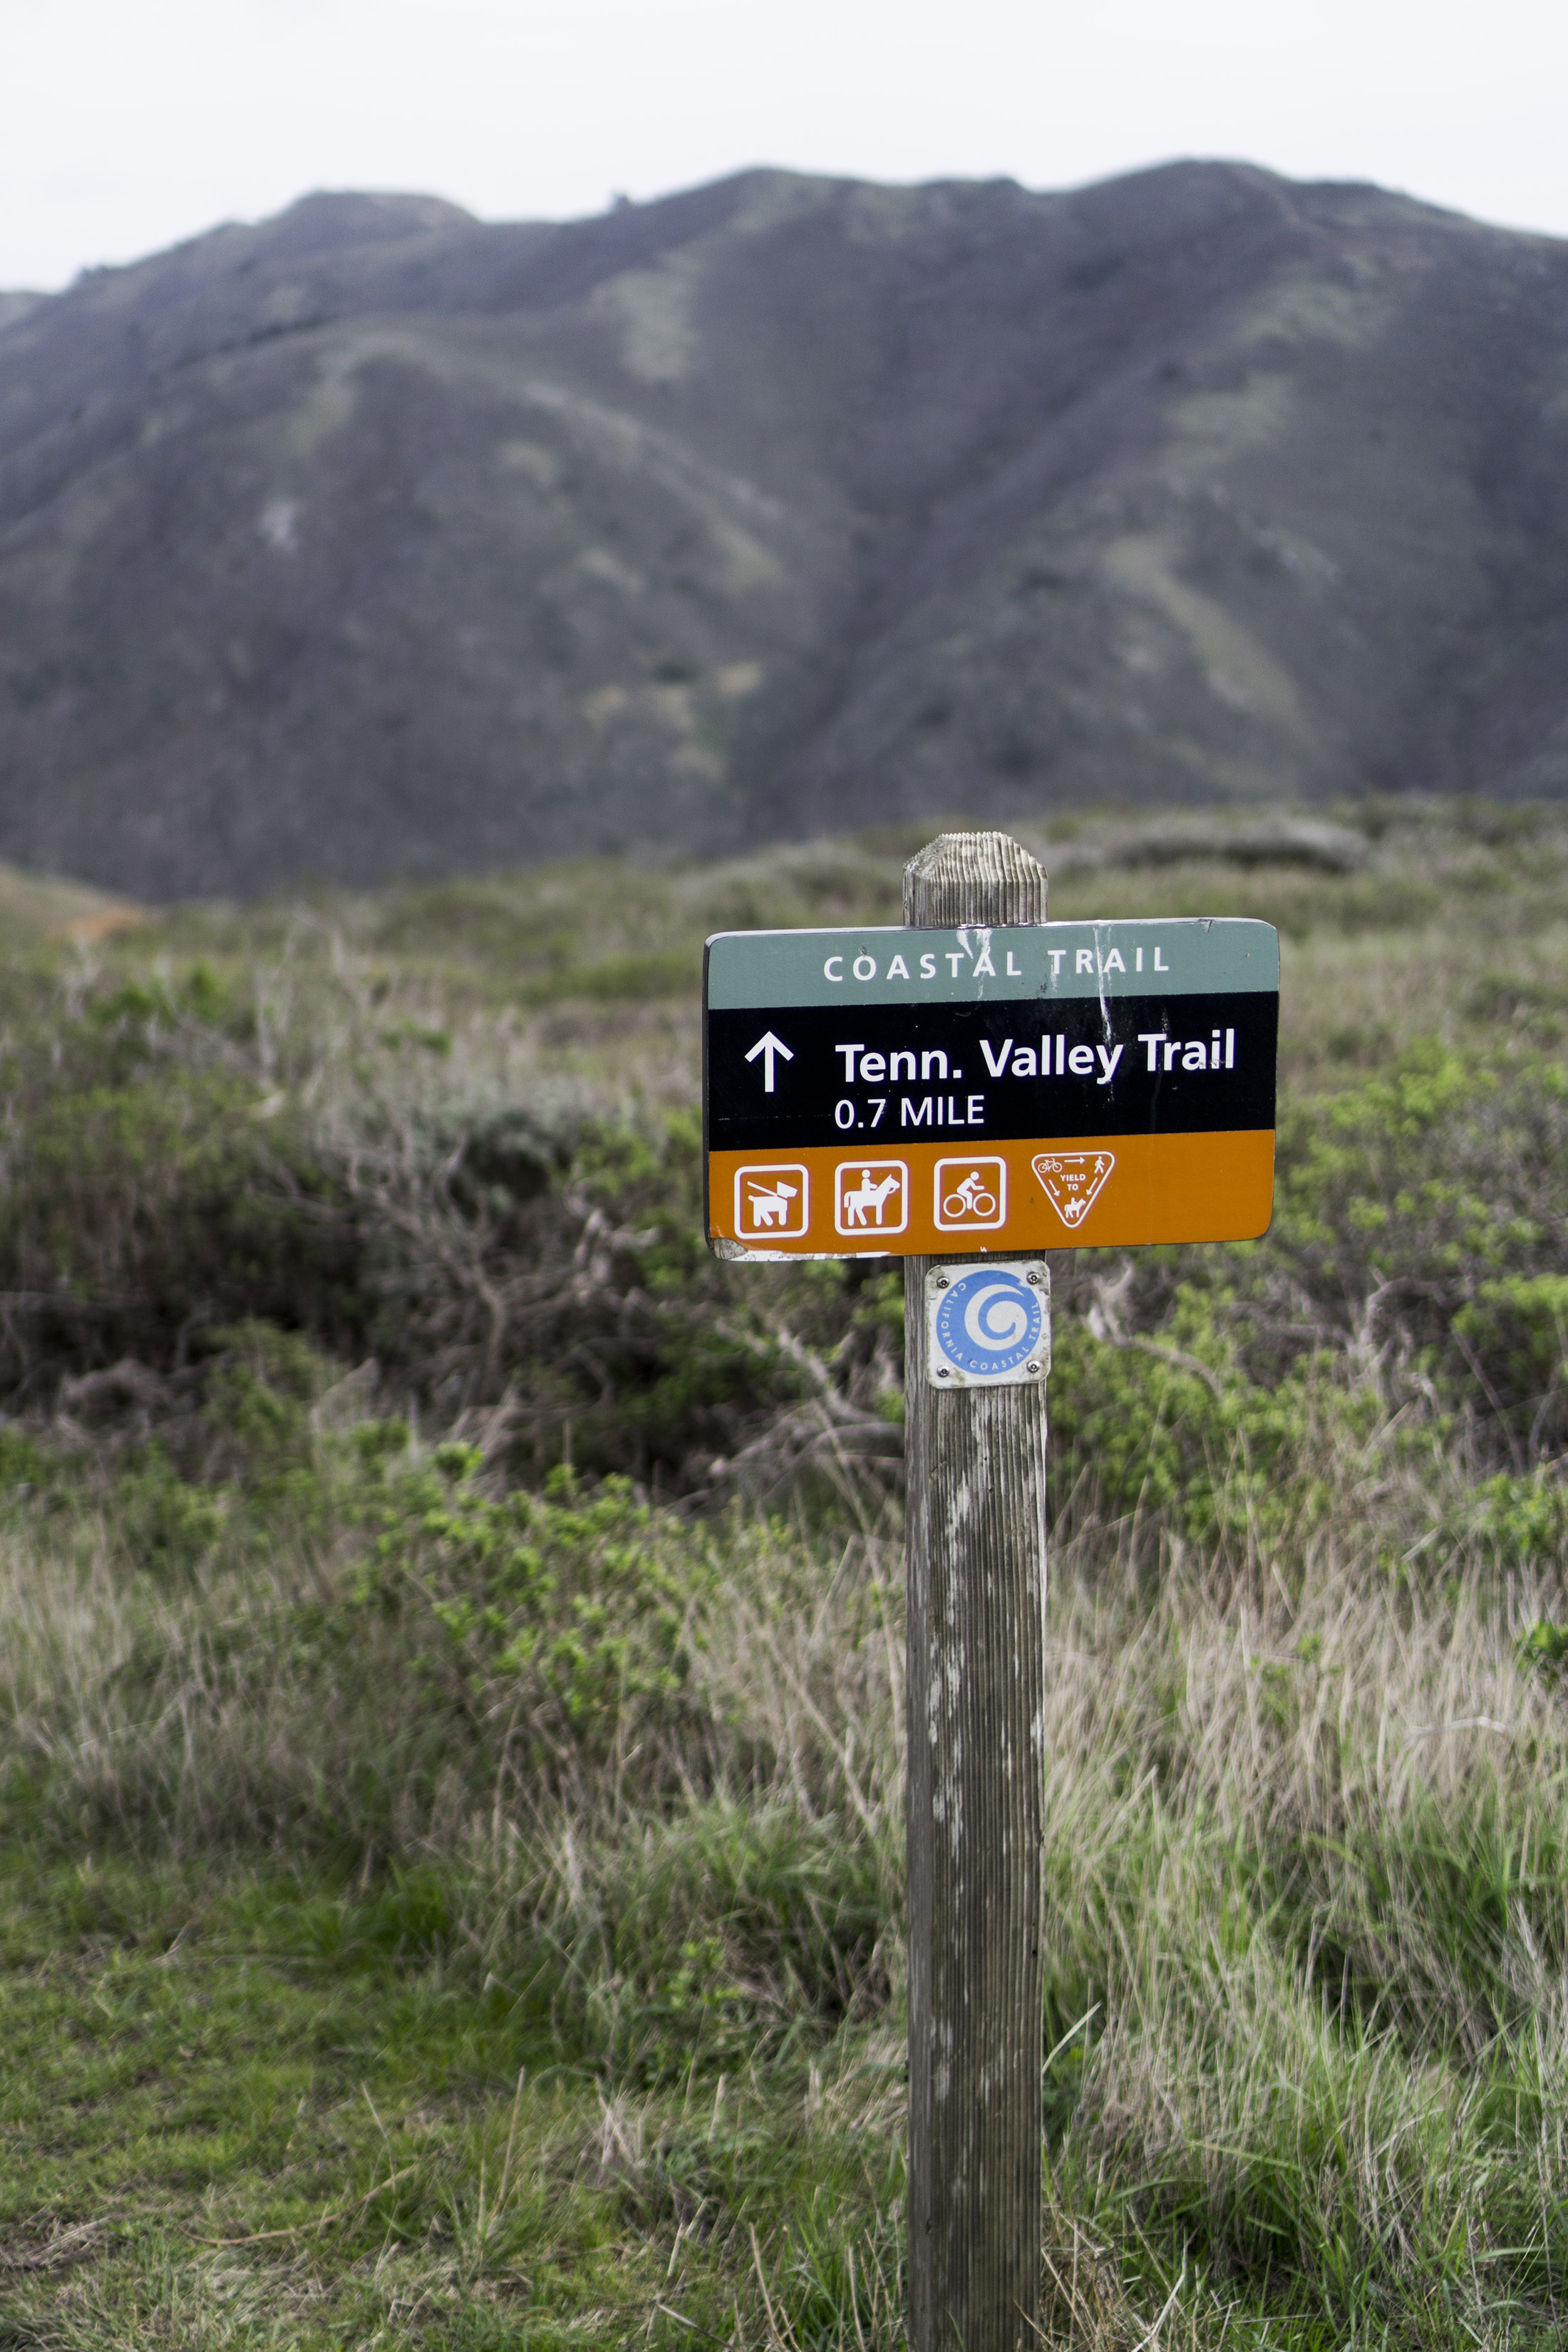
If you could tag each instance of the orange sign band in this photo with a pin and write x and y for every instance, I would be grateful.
(913, 1200)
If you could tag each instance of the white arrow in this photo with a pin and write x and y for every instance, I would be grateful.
(767, 1046)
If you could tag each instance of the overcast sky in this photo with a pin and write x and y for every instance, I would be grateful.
(132, 123)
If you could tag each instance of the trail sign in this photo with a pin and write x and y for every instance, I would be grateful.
(903, 1091)
(968, 1096)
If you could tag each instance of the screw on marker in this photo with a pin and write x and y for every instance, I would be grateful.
(942, 1282)
(1033, 1276)
(1031, 1367)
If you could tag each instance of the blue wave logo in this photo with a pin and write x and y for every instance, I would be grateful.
(990, 1321)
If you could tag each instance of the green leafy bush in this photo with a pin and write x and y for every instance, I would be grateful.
(1422, 1213)
(562, 1620)
(138, 1211)
(1174, 1430)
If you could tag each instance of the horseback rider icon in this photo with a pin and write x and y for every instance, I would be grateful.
(872, 1197)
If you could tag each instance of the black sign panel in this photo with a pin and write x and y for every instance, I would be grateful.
(1141, 1064)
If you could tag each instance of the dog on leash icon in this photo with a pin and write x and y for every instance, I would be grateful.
(772, 1200)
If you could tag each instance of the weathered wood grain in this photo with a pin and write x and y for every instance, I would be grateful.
(976, 1565)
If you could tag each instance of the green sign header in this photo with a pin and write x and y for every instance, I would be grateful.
(893, 965)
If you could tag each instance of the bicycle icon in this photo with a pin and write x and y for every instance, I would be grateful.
(971, 1200)
(971, 1194)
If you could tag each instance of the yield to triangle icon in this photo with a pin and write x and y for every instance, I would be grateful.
(1074, 1180)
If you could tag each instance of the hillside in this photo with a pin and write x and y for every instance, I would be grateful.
(375, 540)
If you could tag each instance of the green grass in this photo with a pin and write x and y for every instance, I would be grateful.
(450, 1650)
(1308, 1916)
(236, 2113)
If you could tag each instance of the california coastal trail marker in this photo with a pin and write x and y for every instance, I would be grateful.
(965, 1092)
(894, 1092)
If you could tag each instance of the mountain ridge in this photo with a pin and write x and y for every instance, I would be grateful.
(375, 538)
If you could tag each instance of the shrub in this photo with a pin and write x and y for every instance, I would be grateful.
(558, 1625)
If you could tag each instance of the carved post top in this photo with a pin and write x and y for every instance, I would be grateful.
(974, 878)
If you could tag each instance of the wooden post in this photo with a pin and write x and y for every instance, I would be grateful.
(976, 1564)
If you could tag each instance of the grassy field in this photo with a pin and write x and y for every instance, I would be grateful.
(450, 1683)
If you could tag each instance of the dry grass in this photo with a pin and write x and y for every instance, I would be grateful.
(1308, 1821)
(632, 1821)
